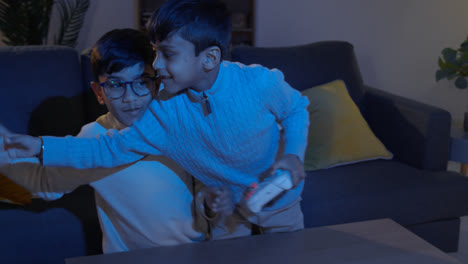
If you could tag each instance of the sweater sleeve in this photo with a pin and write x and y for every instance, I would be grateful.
(29, 175)
(107, 150)
(51, 183)
(290, 109)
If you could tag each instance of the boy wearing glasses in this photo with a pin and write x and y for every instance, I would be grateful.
(145, 204)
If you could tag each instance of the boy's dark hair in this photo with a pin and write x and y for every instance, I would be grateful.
(204, 23)
(119, 49)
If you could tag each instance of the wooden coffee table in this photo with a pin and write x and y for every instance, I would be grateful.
(376, 242)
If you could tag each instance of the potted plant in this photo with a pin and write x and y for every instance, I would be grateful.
(454, 65)
(27, 22)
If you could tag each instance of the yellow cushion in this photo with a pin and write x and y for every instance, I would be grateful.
(338, 134)
(11, 192)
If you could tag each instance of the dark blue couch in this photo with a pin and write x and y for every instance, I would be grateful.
(45, 91)
(414, 188)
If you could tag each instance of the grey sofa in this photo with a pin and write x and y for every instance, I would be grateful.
(414, 188)
(45, 91)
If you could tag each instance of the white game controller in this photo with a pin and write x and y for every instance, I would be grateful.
(261, 194)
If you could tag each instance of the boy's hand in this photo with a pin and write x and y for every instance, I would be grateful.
(219, 200)
(293, 164)
(18, 146)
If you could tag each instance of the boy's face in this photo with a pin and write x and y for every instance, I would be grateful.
(130, 107)
(177, 65)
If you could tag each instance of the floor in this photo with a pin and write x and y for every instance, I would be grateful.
(462, 253)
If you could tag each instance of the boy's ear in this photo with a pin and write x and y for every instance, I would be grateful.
(98, 92)
(211, 58)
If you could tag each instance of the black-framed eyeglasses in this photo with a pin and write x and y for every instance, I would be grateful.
(116, 89)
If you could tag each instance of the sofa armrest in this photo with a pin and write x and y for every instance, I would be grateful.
(416, 133)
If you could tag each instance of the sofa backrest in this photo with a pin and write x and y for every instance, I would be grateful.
(306, 66)
(41, 90)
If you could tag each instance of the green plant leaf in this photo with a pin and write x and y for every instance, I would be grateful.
(72, 13)
(464, 44)
(450, 70)
(441, 63)
(25, 22)
(440, 74)
(451, 76)
(463, 57)
(463, 49)
(461, 83)
(454, 64)
(450, 55)
(463, 71)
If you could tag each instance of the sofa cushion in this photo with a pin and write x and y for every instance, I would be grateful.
(44, 90)
(32, 237)
(69, 225)
(382, 189)
(309, 65)
(338, 134)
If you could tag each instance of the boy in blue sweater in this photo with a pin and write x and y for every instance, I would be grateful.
(217, 119)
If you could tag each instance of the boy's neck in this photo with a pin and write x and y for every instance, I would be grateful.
(207, 82)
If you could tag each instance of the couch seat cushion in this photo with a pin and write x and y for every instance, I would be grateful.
(382, 189)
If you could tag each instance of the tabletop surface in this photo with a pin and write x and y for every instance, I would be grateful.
(376, 241)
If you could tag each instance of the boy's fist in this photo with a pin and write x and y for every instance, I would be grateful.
(219, 200)
(17, 146)
(293, 164)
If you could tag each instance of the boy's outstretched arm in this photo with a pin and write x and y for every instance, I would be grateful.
(51, 183)
(108, 150)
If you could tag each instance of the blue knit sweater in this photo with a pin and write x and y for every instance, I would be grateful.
(233, 145)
